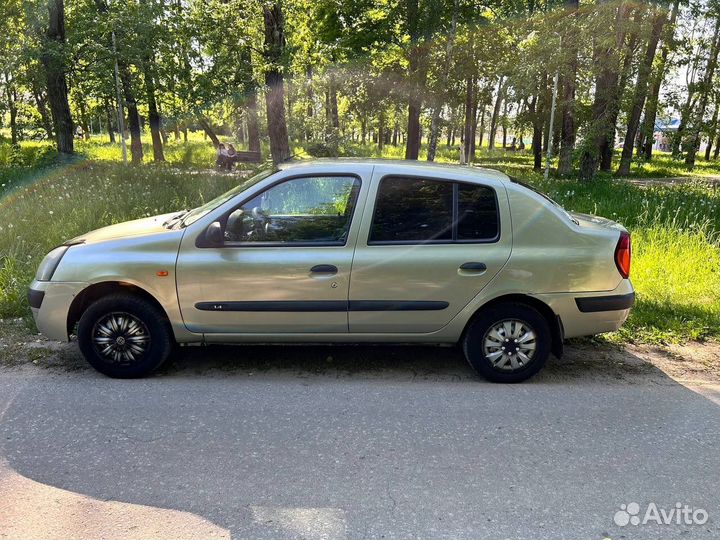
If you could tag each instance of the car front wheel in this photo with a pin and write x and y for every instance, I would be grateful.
(507, 343)
(124, 336)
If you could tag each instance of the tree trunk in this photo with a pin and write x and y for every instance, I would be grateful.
(712, 130)
(537, 125)
(437, 106)
(153, 114)
(209, 131)
(567, 92)
(705, 91)
(685, 113)
(469, 118)
(83, 119)
(617, 89)
(310, 97)
(648, 129)
(496, 113)
(473, 132)
(41, 104)
(381, 131)
(108, 117)
(55, 70)
(274, 95)
(597, 149)
(476, 141)
(11, 95)
(250, 94)
(133, 117)
(641, 88)
(333, 115)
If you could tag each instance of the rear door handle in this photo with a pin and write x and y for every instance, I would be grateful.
(474, 266)
(324, 269)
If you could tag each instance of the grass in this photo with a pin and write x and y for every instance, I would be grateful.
(676, 229)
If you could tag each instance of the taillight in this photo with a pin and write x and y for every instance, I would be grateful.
(623, 255)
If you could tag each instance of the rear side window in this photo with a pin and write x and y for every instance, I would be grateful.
(420, 210)
(477, 213)
(412, 209)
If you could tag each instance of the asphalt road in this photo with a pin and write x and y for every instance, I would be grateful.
(313, 442)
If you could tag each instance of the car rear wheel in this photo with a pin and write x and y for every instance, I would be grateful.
(508, 343)
(124, 336)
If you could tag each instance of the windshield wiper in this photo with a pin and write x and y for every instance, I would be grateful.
(171, 222)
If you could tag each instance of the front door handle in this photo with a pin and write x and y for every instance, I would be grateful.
(324, 269)
(474, 266)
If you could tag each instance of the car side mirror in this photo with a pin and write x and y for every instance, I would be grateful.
(214, 234)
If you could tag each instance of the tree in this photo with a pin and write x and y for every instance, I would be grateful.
(148, 45)
(121, 51)
(570, 47)
(648, 129)
(275, 93)
(705, 92)
(437, 106)
(53, 59)
(606, 59)
(641, 88)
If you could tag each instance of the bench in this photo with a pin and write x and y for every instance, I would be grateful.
(246, 157)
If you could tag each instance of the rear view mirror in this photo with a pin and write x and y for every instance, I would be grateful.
(214, 234)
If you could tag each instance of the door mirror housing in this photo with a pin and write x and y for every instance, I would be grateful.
(214, 235)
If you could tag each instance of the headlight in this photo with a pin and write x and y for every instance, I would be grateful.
(50, 263)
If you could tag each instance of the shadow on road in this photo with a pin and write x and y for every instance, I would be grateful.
(582, 362)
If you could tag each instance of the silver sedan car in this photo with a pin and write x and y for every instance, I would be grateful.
(344, 252)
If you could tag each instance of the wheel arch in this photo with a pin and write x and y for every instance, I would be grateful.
(552, 318)
(96, 291)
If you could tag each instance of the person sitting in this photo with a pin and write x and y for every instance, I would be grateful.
(221, 156)
(231, 157)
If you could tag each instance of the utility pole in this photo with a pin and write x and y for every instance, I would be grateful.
(121, 109)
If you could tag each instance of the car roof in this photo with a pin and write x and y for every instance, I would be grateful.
(402, 165)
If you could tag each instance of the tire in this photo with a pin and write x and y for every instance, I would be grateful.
(499, 365)
(137, 333)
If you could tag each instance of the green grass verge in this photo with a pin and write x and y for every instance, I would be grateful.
(676, 229)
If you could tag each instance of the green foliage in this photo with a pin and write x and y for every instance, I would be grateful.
(61, 202)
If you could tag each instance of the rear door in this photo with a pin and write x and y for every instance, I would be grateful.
(427, 245)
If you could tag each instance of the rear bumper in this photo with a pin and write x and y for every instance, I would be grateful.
(586, 314)
(615, 302)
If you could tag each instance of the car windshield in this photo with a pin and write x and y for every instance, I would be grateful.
(193, 215)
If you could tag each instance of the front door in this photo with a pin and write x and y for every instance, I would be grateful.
(427, 247)
(284, 265)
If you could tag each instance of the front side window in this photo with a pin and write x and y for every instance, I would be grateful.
(300, 210)
(419, 210)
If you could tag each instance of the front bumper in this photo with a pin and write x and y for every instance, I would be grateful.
(50, 303)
